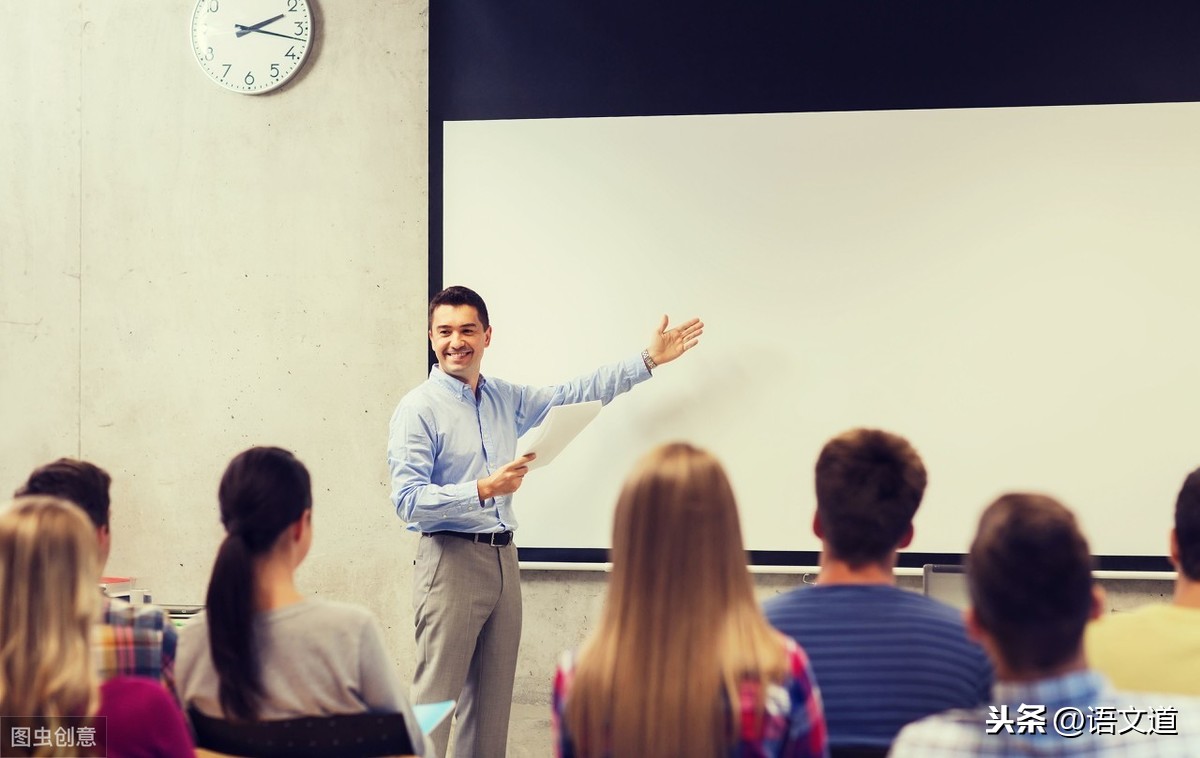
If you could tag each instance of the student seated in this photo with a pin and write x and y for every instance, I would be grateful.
(1156, 648)
(883, 656)
(48, 567)
(138, 640)
(1029, 575)
(683, 663)
(261, 650)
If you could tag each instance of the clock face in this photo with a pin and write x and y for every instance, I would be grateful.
(251, 46)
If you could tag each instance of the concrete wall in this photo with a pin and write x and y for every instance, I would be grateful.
(185, 272)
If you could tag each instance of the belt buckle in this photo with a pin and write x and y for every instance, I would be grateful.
(492, 539)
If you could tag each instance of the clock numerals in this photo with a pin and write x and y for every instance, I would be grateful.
(249, 79)
(227, 38)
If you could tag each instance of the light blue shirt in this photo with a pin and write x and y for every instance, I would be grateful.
(442, 440)
(1075, 714)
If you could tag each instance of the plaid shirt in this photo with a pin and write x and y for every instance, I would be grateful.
(793, 725)
(1025, 721)
(136, 640)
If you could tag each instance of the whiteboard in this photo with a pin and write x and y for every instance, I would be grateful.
(1009, 288)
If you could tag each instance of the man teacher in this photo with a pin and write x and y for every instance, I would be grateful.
(451, 451)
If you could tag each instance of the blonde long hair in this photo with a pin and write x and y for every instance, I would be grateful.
(48, 569)
(680, 627)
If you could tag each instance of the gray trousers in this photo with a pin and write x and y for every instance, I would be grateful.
(467, 600)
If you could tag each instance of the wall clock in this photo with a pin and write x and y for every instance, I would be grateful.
(251, 46)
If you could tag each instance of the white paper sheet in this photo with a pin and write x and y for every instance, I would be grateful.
(561, 425)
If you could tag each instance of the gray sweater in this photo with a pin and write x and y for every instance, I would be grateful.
(318, 657)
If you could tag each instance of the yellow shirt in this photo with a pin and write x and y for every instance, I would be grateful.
(1155, 648)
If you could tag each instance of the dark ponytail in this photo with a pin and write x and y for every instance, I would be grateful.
(263, 491)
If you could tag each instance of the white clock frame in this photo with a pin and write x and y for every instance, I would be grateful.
(251, 46)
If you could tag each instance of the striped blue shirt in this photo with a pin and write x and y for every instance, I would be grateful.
(442, 439)
(882, 656)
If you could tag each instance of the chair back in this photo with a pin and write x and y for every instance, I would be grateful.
(357, 735)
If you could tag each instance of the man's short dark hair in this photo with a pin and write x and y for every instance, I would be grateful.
(1187, 526)
(869, 485)
(456, 296)
(1029, 573)
(83, 483)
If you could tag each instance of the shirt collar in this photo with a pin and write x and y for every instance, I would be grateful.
(459, 388)
(1075, 687)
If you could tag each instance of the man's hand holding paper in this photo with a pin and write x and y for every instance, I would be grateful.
(506, 479)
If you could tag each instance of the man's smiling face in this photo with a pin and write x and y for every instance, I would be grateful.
(458, 339)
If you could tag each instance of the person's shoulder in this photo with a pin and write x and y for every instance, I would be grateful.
(818, 608)
(861, 598)
(142, 618)
(909, 609)
(956, 732)
(1175, 716)
(792, 650)
(564, 674)
(417, 398)
(946, 721)
(798, 665)
(502, 388)
(125, 693)
(928, 624)
(952, 732)
(784, 602)
(337, 608)
(194, 631)
(118, 612)
(131, 684)
(1153, 615)
(325, 611)
(924, 605)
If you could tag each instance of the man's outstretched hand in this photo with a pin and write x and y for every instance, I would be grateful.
(668, 344)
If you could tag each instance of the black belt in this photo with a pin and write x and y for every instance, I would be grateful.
(495, 539)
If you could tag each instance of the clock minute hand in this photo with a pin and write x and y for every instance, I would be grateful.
(276, 34)
(244, 30)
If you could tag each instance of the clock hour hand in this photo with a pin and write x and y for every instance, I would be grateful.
(276, 34)
(244, 30)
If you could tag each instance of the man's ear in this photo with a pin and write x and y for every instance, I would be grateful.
(907, 539)
(1175, 550)
(816, 527)
(487, 337)
(971, 622)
